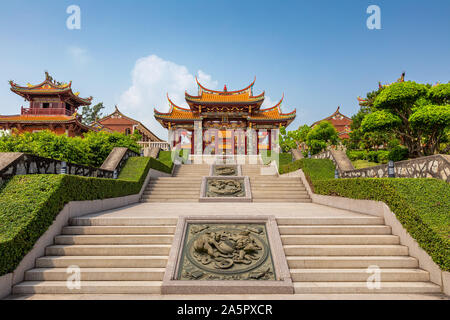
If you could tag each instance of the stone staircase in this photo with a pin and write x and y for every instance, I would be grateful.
(184, 186)
(120, 255)
(271, 188)
(330, 255)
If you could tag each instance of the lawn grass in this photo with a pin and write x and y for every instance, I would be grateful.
(359, 164)
(280, 158)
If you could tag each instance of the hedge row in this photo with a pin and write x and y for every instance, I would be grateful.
(421, 205)
(30, 203)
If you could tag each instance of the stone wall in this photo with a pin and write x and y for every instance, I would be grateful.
(17, 163)
(436, 166)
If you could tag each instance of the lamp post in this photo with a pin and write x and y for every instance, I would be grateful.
(115, 174)
(391, 170)
(309, 154)
(336, 174)
(142, 152)
(63, 169)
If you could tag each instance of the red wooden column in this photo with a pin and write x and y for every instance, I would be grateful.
(269, 132)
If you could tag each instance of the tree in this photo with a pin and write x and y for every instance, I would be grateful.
(431, 122)
(91, 113)
(287, 141)
(322, 135)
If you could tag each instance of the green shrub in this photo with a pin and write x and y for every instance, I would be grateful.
(30, 203)
(421, 205)
(398, 153)
(372, 156)
(91, 150)
(383, 156)
(354, 155)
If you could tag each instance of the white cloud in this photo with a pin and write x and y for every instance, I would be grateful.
(152, 78)
(268, 102)
(79, 55)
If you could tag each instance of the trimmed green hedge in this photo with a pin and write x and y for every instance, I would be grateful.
(30, 203)
(421, 205)
(315, 169)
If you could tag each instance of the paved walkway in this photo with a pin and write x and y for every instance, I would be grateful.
(157, 210)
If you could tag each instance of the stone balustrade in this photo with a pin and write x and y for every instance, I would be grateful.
(18, 163)
(435, 166)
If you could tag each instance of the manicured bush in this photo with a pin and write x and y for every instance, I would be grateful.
(398, 153)
(30, 203)
(91, 150)
(383, 156)
(421, 205)
(354, 155)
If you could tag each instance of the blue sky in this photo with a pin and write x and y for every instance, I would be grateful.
(320, 54)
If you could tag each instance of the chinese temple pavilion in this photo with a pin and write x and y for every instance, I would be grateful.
(340, 122)
(224, 122)
(53, 106)
(119, 122)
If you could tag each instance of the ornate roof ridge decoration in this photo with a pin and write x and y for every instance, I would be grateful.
(337, 112)
(48, 86)
(364, 102)
(248, 89)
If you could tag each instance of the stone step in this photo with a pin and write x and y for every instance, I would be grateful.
(339, 239)
(162, 179)
(333, 262)
(123, 221)
(102, 261)
(113, 239)
(278, 194)
(302, 200)
(172, 187)
(106, 230)
(173, 193)
(108, 250)
(166, 195)
(168, 200)
(345, 250)
(330, 220)
(352, 275)
(335, 229)
(97, 274)
(97, 287)
(361, 287)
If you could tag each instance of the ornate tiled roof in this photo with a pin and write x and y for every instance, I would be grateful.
(31, 119)
(337, 118)
(175, 113)
(49, 87)
(273, 113)
(119, 115)
(26, 118)
(208, 96)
